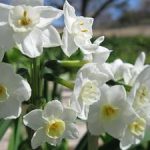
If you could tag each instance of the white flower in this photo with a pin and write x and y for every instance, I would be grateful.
(132, 71)
(28, 27)
(100, 55)
(126, 71)
(77, 32)
(139, 99)
(13, 91)
(140, 93)
(111, 113)
(51, 124)
(87, 87)
(136, 128)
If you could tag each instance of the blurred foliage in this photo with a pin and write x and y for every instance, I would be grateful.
(128, 48)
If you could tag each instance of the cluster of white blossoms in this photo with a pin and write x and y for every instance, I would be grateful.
(125, 115)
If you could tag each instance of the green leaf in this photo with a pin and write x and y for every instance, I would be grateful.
(16, 135)
(4, 124)
(83, 144)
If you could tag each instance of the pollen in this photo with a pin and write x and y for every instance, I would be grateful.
(109, 111)
(3, 92)
(24, 20)
(84, 30)
(81, 23)
(137, 127)
(55, 128)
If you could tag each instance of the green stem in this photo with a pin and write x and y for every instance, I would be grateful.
(72, 63)
(35, 80)
(65, 83)
(51, 77)
(127, 87)
(45, 90)
(92, 142)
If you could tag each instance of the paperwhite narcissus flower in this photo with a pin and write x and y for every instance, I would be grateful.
(87, 87)
(140, 93)
(51, 124)
(77, 32)
(139, 99)
(127, 71)
(28, 27)
(100, 55)
(132, 71)
(111, 113)
(13, 91)
(136, 128)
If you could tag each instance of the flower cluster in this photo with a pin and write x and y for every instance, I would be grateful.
(120, 109)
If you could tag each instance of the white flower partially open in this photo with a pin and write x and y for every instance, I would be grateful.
(13, 91)
(100, 55)
(28, 27)
(77, 33)
(51, 124)
(87, 88)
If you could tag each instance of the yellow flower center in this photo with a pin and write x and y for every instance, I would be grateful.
(24, 20)
(137, 127)
(55, 128)
(3, 92)
(109, 111)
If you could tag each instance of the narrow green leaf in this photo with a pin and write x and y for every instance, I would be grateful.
(4, 124)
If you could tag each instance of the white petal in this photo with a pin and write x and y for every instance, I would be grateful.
(30, 44)
(10, 109)
(47, 15)
(92, 72)
(99, 40)
(144, 75)
(120, 94)
(106, 71)
(27, 2)
(140, 60)
(69, 115)
(101, 55)
(71, 131)
(68, 45)
(94, 123)
(38, 138)
(51, 37)
(6, 36)
(85, 44)
(23, 92)
(11, 80)
(4, 12)
(34, 119)
(53, 108)
(127, 140)
(53, 141)
(127, 73)
(116, 68)
(74, 102)
(69, 15)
